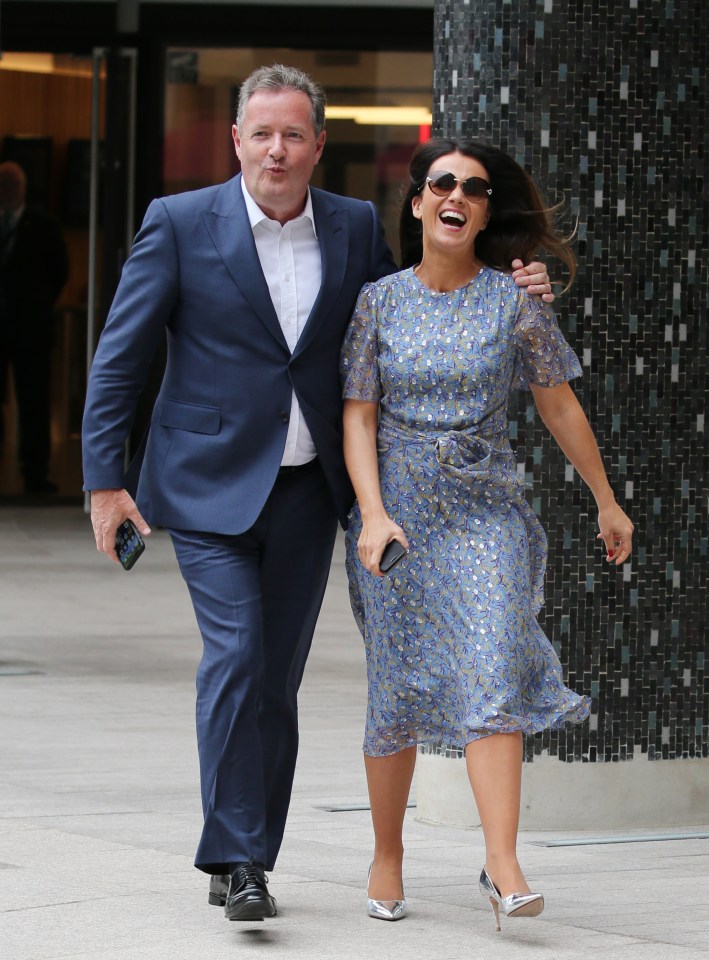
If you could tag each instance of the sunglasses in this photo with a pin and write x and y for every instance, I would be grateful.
(474, 188)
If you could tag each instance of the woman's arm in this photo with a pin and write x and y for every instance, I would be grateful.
(567, 423)
(360, 428)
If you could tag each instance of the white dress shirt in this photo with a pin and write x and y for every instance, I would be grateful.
(290, 260)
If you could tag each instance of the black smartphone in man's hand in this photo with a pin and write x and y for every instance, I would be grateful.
(129, 544)
(393, 552)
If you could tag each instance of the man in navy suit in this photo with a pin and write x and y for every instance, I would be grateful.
(254, 282)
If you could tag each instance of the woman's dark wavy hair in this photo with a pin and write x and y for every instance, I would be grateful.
(520, 221)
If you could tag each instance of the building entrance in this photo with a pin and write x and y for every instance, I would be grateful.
(71, 123)
(45, 128)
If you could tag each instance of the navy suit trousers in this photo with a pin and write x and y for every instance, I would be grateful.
(256, 596)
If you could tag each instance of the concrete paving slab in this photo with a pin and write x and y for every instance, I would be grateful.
(100, 814)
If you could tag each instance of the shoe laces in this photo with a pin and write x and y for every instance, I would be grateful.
(251, 872)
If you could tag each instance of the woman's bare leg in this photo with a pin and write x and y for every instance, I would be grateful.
(389, 783)
(495, 771)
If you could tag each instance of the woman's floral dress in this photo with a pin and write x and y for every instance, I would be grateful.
(454, 649)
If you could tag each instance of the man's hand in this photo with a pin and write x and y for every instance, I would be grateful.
(109, 508)
(534, 277)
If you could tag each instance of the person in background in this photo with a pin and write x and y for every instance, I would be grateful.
(455, 655)
(34, 267)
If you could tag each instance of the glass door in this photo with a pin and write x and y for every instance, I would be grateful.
(45, 129)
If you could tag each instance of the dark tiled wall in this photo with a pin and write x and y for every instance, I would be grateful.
(605, 104)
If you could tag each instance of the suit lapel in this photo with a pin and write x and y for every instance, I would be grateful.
(332, 228)
(227, 223)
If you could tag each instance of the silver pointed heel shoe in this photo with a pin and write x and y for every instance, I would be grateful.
(385, 909)
(515, 905)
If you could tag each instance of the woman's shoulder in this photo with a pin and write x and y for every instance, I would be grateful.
(501, 281)
(395, 284)
(398, 282)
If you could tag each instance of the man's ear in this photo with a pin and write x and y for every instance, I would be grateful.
(319, 146)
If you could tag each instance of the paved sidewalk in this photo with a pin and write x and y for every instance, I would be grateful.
(99, 809)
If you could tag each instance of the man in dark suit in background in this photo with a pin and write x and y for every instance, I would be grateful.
(33, 270)
(254, 281)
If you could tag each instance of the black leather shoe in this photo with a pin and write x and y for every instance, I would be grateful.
(218, 889)
(248, 898)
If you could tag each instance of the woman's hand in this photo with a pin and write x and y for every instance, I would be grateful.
(375, 535)
(616, 532)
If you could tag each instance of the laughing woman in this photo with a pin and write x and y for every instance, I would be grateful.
(455, 656)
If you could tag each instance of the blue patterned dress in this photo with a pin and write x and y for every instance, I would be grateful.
(454, 649)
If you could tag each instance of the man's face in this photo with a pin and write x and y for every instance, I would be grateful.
(278, 150)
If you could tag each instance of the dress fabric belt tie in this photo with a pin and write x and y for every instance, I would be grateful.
(464, 455)
(471, 467)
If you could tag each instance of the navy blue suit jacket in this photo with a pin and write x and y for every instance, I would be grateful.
(219, 424)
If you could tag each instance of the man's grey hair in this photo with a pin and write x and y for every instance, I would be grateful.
(280, 77)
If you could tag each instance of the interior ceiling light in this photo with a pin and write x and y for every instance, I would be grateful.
(376, 116)
(43, 63)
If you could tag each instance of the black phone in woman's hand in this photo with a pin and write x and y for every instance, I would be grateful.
(393, 552)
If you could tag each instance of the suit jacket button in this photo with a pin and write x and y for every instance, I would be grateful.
(285, 417)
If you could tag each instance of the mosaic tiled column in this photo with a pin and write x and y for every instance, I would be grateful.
(605, 104)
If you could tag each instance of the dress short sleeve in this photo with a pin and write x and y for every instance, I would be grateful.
(359, 359)
(543, 356)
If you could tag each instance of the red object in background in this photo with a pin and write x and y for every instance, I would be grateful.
(424, 132)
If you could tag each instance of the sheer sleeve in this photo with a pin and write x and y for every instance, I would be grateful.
(359, 359)
(543, 357)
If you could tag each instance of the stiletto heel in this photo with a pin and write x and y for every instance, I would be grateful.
(496, 911)
(385, 909)
(514, 905)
